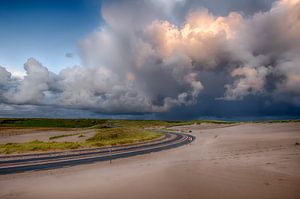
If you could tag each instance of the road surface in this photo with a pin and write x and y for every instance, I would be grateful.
(22, 163)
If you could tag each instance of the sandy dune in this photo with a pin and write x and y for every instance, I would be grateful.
(242, 161)
(19, 135)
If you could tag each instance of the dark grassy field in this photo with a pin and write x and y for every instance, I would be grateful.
(96, 123)
(58, 123)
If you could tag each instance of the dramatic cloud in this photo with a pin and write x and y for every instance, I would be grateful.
(252, 81)
(4, 76)
(35, 86)
(271, 47)
(144, 61)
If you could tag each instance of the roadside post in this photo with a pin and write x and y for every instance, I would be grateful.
(110, 156)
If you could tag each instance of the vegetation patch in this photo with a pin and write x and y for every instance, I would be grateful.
(279, 121)
(41, 122)
(96, 123)
(37, 146)
(158, 123)
(122, 135)
(104, 137)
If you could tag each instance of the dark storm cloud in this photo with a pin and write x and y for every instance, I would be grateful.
(221, 8)
(192, 57)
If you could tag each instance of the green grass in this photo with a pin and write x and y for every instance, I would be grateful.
(139, 123)
(59, 123)
(117, 136)
(37, 146)
(158, 123)
(104, 123)
(278, 121)
(94, 123)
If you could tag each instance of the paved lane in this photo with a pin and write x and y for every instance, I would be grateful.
(19, 163)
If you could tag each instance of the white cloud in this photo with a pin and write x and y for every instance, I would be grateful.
(32, 88)
(252, 81)
(4, 76)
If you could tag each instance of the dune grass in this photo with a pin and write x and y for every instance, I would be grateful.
(104, 137)
(278, 121)
(95, 123)
(139, 123)
(117, 136)
(57, 123)
(37, 146)
(159, 123)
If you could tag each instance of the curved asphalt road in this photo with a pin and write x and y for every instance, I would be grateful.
(22, 163)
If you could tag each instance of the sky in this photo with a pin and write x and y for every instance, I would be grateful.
(150, 59)
(47, 30)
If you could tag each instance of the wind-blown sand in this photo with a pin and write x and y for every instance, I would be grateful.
(242, 161)
(20, 135)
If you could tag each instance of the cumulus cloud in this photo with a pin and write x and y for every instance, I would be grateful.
(4, 76)
(142, 61)
(252, 81)
(34, 87)
(270, 46)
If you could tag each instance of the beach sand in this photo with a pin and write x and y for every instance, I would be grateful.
(21, 135)
(241, 161)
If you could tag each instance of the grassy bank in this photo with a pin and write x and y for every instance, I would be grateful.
(37, 146)
(57, 123)
(117, 136)
(277, 121)
(104, 137)
(96, 123)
